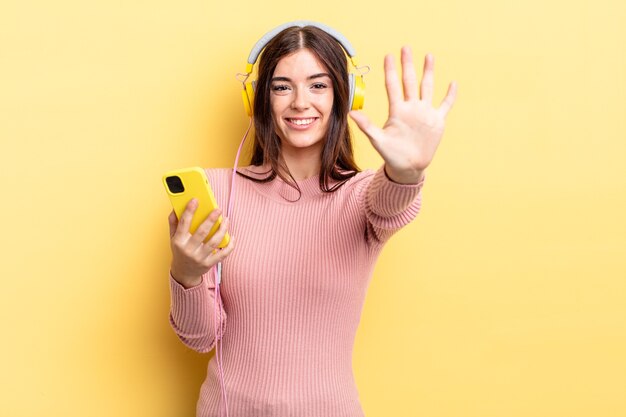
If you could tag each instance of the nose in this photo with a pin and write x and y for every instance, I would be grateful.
(300, 99)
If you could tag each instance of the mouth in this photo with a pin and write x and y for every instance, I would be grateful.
(300, 123)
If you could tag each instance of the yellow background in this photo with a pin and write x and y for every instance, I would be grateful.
(505, 298)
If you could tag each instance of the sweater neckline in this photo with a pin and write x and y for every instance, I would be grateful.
(281, 191)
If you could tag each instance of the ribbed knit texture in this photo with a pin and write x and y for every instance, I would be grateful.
(293, 290)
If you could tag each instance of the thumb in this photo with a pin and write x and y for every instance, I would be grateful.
(173, 223)
(373, 132)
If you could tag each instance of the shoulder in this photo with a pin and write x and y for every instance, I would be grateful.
(219, 178)
(218, 173)
(364, 175)
(360, 180)
(223, 176)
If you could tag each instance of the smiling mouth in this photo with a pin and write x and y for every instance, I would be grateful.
(301, 121)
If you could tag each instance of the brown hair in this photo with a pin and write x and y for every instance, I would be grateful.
(337, 159)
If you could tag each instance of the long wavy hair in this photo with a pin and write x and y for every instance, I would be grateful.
(337, 159)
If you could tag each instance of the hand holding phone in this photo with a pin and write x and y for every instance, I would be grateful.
(182, 185)
(197, 228)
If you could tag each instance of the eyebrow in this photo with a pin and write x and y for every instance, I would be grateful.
(320, 75)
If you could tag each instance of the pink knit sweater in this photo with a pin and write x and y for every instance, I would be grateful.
(293, 290)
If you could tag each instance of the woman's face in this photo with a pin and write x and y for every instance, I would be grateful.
(301, 99)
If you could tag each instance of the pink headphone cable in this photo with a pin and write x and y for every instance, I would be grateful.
(217, 275)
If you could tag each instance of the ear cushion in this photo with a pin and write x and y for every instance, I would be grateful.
(351, 84)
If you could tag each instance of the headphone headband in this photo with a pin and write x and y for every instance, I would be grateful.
(258, 47)
(355, 82)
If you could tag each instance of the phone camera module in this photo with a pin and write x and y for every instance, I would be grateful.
(175, 184)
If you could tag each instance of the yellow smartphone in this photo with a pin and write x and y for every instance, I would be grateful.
(184, 184)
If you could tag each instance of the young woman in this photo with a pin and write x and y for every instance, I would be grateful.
(308, 227)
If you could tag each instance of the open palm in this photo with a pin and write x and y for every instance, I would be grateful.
(410, 137)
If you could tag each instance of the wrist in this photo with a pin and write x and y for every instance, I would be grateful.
(405, 177)
(184, 280)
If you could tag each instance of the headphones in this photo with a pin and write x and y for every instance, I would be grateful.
(356, 82)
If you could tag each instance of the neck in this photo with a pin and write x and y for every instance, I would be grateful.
(302, 164)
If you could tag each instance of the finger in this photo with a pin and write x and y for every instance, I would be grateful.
(217, 238)
(219, 254)
(185, 219)
(373, 132)
(173, 221)
(394, 92)
(409, 79)
(204, 229)
(449, 100)
(428, 80)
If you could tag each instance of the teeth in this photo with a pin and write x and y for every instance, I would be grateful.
(301, 122)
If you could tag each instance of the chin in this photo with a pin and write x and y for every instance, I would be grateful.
(303, 144)
(302, 141)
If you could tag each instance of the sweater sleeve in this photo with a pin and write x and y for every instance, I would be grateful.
(192, 313)
(388, 206)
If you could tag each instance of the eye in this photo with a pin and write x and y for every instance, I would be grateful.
(280, 88)
(319, 86)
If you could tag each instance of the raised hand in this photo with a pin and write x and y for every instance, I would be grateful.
(410, 137)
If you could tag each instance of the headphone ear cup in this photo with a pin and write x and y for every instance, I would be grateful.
(357, 92)
(351, 84)
(248, 97)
